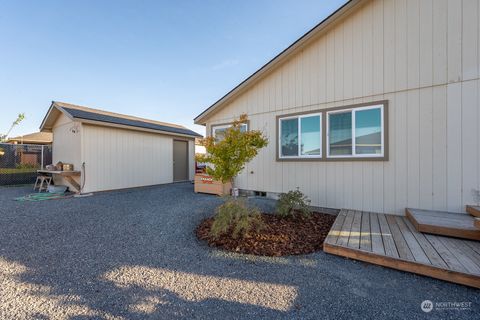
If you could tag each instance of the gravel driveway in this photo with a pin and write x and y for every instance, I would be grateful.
(133, 255)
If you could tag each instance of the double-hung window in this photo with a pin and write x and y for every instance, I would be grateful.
(300, 136)
(218, 131)
(356, 132)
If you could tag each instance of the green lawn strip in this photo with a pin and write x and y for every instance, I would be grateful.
(15, 170)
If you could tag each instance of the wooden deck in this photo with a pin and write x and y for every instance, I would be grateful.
(392, 241)
(443, 223)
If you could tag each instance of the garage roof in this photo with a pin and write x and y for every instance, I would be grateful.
(99, 117)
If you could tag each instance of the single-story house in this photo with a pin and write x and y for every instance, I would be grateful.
(376, 108)
(116, 151)
(33, 138)
(34, 150)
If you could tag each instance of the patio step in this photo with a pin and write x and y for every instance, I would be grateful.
(444, 223)
(474, 211)
(392, 241)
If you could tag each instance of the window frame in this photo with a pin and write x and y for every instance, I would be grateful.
(213, 127)
(299, 133)
(383, 104)
(353, 111)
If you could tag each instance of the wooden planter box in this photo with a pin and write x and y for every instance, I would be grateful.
(205, 184)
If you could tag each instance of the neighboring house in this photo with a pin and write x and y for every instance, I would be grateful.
(199, 148)
(119, 151)
(31, 151)
(33, 138)
(376, 108)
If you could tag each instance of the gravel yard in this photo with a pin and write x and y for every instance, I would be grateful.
(133, 254)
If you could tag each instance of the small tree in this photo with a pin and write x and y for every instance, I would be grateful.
(227, 157)
(17, 121)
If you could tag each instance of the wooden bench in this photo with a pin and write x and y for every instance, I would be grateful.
(68, 175)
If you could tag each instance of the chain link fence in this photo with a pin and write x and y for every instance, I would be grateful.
(19, 162)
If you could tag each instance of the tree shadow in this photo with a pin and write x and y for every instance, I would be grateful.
(133, 254)
(61, 251)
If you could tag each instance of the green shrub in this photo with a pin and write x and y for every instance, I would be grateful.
(236, 216)
(26, 166)
(293, 201)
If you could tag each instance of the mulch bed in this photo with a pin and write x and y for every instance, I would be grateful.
(279, 236)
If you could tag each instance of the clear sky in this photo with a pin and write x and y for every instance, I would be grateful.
(162, 60)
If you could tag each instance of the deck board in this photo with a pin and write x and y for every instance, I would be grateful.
(449, 258)
(392, 241)
(377, 242)
(464, 259)
(412, 243)
(366, 237)
(387, 237)
(475, 245)
(402, 246)
(467, 250)
(336, 229)
(354, 239)
(346, 229)
(427, 247)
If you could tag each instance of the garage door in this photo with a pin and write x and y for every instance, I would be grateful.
(180, 160)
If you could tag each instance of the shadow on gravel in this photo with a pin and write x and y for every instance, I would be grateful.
(133, 254)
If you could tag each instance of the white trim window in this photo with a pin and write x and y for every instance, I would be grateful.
(356, 132)
(300, 136)
(218, 131)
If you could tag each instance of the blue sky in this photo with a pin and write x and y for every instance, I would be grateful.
(163, 60)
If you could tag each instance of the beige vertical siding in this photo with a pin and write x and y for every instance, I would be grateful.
(423, 57)
(66, 144)
(117, 158)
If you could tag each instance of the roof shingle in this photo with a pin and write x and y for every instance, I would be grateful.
(81, 114)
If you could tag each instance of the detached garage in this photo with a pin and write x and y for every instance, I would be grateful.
(115, 151)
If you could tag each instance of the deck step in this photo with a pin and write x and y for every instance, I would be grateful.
(444, 223)
(476, 223)
(474, 211)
